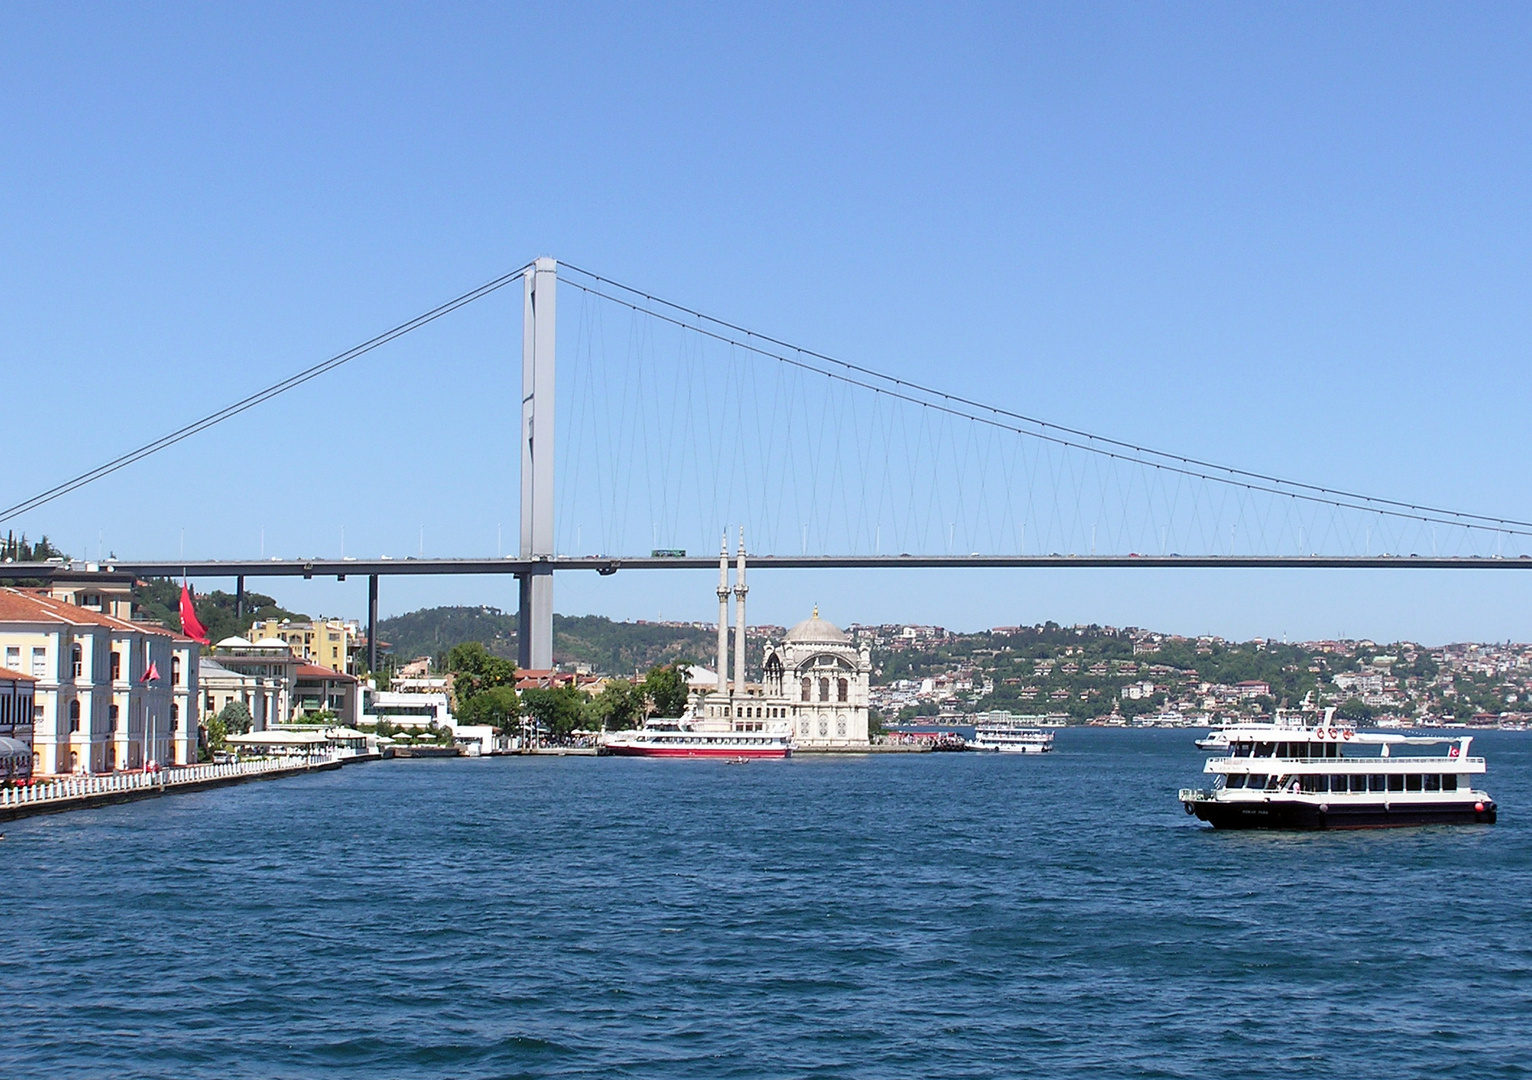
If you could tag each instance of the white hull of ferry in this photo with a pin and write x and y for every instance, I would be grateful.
(1005, 741)
(649, 742)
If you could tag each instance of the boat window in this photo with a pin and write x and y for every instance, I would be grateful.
(1412, 783)
(1359, 783)
(1449, 782)
(1219, 781)
(1332, 750)
(1242, 749)
(1273, 782)
(1257, 780)
(1396, 782)
(1433, 781)
(1312, 783)
(1237, 780)
(1264, 749)
(1378, 782)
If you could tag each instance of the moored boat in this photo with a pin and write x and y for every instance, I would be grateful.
(684, 738)
(1280, 777)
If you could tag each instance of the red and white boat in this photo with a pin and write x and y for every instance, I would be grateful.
(688, 738)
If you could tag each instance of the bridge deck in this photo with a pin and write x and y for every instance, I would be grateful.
(340, 568)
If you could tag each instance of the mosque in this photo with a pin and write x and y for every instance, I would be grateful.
(815, 680)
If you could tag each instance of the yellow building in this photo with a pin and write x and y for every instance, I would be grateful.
(324, 642)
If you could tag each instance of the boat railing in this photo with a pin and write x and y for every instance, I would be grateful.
(1439, 759)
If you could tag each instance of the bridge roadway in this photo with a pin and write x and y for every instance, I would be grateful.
(604, 564)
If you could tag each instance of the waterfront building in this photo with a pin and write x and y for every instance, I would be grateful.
(102, 692)
(815, 680)
(319, 689)
(409, 710)
(268, 671)
(16, 754)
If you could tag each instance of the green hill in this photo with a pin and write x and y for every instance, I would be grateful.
(607, 646)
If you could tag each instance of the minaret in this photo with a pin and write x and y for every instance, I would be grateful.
(723, 615)
(740, 589)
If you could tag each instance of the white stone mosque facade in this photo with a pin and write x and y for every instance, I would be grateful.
(815, 680)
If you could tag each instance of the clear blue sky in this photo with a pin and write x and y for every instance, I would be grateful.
(1287, 237)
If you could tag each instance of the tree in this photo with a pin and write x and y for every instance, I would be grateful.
(217, 732)
(619, 705)
(498, 707)
(236, 718)
(475, 669)
(666, 690)
(558, 711)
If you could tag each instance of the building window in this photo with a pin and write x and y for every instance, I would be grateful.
(13, 657)
(175, 671)
(39, 663)
(111, 717)
(175, 717)
(824, 727)
(841, 689)
(840, 726)
(824, 689)
(116, 665)
(74, 715)
(807, 683)
(803, 726)
(75, 659)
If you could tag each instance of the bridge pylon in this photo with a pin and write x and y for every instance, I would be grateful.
(535, 625)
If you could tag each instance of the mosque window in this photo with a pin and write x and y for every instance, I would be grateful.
(807, 683)
(841, 689)
(803, 726)
(840, 726)
(824, 689)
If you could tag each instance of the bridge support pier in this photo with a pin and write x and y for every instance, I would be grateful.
(239, 600)
(372, 624)
(535, 626)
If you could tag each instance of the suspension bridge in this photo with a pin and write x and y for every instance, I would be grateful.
(665, 427)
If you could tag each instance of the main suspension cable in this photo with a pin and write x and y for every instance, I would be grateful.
(257, 398)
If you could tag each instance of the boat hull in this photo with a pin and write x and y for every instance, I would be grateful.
(1281, 814)
(621, 750)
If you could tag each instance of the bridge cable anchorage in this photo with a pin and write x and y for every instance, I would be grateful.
(1191, 466)
(229, 411)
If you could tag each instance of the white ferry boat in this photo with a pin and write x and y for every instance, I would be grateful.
(1011, 740)
(686, 737)
(1276, 776)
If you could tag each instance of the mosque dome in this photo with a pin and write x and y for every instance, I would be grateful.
(235, 642)
(817, 631)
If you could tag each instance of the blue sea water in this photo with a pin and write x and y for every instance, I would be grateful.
(902, 915)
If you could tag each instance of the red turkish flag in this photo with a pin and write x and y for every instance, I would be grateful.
(189, 624)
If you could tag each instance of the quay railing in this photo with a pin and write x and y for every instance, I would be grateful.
(68, 788)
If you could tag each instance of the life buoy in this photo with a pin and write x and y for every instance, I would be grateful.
(1320, 732)
(1188, 808)
(1334, 733)
(1348, 733)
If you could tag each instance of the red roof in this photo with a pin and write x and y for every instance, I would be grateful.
(7, 673)
(314, 671)
(19, 606)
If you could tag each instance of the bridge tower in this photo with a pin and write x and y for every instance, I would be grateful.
(535, 626)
